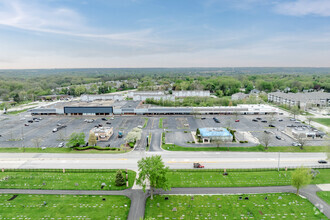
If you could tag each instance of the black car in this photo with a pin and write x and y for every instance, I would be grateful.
(259, 118)
(264, 121)
(216, 120)
(322, 161)
(255, 120)
(104, 119)
(272, 126)
(280, 120)
(108, 123)
(278, 137)
(30, 121)
(203, 118)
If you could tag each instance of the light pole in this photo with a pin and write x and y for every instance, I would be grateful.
(278, 165)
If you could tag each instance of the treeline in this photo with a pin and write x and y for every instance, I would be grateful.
(27, 85)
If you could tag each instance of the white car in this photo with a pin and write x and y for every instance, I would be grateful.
(140, 126)
(296, 144)
(61, 144)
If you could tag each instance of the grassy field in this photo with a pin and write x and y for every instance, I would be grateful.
(325, 195)
(324, 121)
(276, 206)
(201, 178)
(64, 207)
(58, 180)
(173, 147)
(58, 150)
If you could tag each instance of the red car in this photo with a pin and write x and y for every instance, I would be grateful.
(237, 120)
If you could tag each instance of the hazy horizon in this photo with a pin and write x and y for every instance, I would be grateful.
(61, 34)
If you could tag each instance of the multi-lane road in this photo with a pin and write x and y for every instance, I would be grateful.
(172, 159)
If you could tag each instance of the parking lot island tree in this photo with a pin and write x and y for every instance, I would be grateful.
(265, 140)
(76, 139)
(301, 140)
(134, 135)
(301, 177)
(152, 171)
(92, 139)
(295, 111)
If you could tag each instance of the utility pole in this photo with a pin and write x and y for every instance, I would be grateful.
(23, 140)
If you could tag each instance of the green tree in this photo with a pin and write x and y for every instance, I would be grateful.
(76, 139)
(295, 111)
(153, 171)
(120, 181)
(300, 177)
(92, 139)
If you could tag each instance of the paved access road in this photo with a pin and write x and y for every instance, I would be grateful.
(174, 160)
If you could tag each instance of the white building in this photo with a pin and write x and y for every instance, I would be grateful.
(155, 97)
(191, 93)
(90, 98)
(302, 100)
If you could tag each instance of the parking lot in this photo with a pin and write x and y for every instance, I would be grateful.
(40, 134)
(13, 129)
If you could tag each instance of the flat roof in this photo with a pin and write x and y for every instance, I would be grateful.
(215, 132)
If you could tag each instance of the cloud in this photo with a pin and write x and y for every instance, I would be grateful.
(33, 16)
(304, 7)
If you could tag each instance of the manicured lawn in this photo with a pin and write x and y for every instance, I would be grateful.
(276, 206)
(60, 180)
(57, 150)
(173, 147)
(64, 207)
(324, 121)
(199, 178)
(161, 122)
(325, 195)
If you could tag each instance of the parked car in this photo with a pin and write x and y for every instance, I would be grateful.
(264, 121)
(198, 165)
(255, 120)
(61, 144)
(216, 120)
(203, 118)
(296, 144)
(104, 119)
(108, 123)
(292, 119)
(58, 124)
(139, 126)
(112, 118)
(26, 124)
(278, 137)
(280, 119)
(237, 120)
(259, 118)
(281, 113)
(267, 132)
(322, 161)
(30, 121)
(272, 126)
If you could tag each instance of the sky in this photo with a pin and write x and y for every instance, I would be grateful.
(164, 33)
